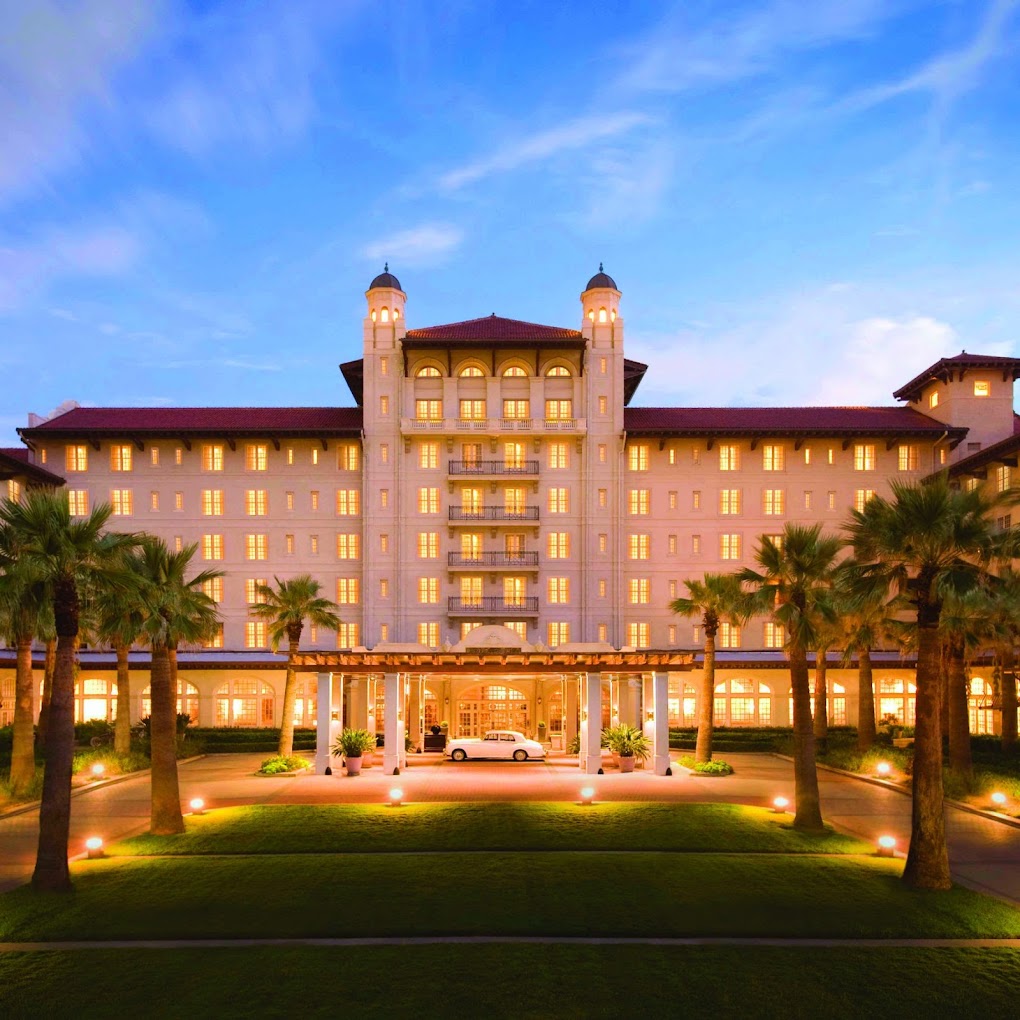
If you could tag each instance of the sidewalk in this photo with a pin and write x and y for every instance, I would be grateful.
(985, 854)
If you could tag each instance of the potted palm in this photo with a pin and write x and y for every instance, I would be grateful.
(353, 744)
(629, 745)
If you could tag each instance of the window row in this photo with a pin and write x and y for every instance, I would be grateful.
(213, 456)
(476, 372)
(774, 456)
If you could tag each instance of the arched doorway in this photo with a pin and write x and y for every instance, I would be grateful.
(491, 707)
(95, 698)
(187, 700)
(245, 702)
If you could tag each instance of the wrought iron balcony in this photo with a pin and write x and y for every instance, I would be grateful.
(490, 560)
(493, 467)
(491, 605)
(494, 513)
(493, 426)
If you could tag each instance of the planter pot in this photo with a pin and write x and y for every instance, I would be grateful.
(627, 763)
(902, 741)
(353, 765)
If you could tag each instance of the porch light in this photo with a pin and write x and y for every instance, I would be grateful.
(886, 845)
(779, 805)
(396, 797)
(94, 847)
(883, 768)
(98, 769)
(998, 800)
(197, 806)
(587, 795)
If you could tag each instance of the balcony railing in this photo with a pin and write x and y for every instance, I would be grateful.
(492, 559)
(489, 605)
(493, 467)
(493, 513)
(493, 426)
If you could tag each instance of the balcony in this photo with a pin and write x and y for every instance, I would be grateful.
(492, 561)
(498, 468)
(492, 426)
(493, 605)
(495, 514)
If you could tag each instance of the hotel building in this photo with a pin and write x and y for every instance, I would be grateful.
(493, 474)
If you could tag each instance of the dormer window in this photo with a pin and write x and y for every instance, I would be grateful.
(385, 314)
(981, 388)
(933, 400)
(602, 315)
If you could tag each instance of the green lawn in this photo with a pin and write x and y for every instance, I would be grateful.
(524, 982)
(340, 828)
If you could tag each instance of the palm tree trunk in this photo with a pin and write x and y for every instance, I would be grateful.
(959, 719)
(944, 692)
(166, 817)
(51, 871)
(122, 728)
(706, 704)
(1007, 694)
(289, 697)
(47, 689)
(821, 713)
(809, 810)
(927, 864)
(865, 701)
(23, 737)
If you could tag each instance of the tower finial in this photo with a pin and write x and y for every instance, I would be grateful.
(601, 270)
(386, 267)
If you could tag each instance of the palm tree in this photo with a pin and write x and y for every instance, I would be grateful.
(963, 627)
(285, 608)
(67, 553)
(175, 610)
(49, 664)
(794, 587)
(1003, 615)
(828, 637)
(716, 599)
(928, 540)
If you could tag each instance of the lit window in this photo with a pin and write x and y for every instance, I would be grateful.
(348, 502)
(212, 457)
(603, 406)
(696, 499)
(471, 372)
(696, 545)
(603, 315)
(639, 501)
(315, 455)
(428, 545)
(256, 547)
(559, 545)
(348, 635)
(672, 589)
(314, 500)
(178, 543)
(288, 544)
(729, 457)
(427, 372)
(384, 544)
(603, 364)
(256, 502)
(558, 633)
(603, 453)
(864, 457)
(120, 457)
(729, 501)
(671, 632)
(428, 455)
(212, 547)
(290, 454)
(559, 410)
(559, 371)
(603, 632)
(428, 500)
(809, 499)
(471, 591)
(637, 457)
(832, 500)
(982, 388)
(76, 458)
(472, 410)
(215, 640)
(807, 454)
(602, 587)
(254, 593)
(603, 498)
(517, 409)
(673, 496)
(1003, 477)
(514, 455)
(212, 502)
(515, 501)
(907, 458)
(638, 635)
(774, 502)
(428, 410)
(289, 499)
(384, 453)
(933, 400)
(559, 500)
(122, 502)
(178, 500)
(603, 543)
(729, 547)
(384, 587)
(558, 590)
(154, 500)
(831, 455)
(348, 457)
(729, 635)
(384, 363)
(154, 455)
(384, 405)
(558, 455)
(861, 498)
(638, 547)
(348, 546)
(971, 484)
(348, 591)
(773, 457)
(775, 635)
(255, 634)
(78, 502)
(313, 545)
(638, 590)
(428, 634)
(428, 590)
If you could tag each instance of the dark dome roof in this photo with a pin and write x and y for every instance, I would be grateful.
(385, 279)
(601, 280)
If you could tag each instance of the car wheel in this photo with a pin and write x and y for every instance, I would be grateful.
(458, 754)
(520, 754)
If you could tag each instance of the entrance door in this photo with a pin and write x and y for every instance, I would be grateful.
(491, 707)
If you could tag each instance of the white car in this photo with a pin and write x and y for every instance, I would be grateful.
(495, 744)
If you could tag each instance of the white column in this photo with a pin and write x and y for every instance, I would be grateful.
(415, 711)
(660, 724)
(392, 737)
(323, 729)
(569, 711)
(590, 758)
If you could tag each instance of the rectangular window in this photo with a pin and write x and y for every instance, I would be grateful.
(672, 455)
(603, 453)
(120, 457)
(313, 500)
(639, 591)
(773, 457)
(212, 502)
(729, 635)
(729, 547)
(212, 457)
(774, 502)
(384, 453)
(384, 544)
(603, 406)
(178, 455)
(559, 410)
(348, 457)
(348, 635)
(729, 501)
(384, 365)
(348, 591)
(603, 543)
(256, 547)
(861, 498)
(290, 454)
(384, 498)
(729, 457)
(313, 545)
(639, 547)
(807, 454)
(428, 634)
(639, 501)
(809, 499)
(384, 406)
(603, 632)
(517, 409)
(384, 587)
(428, 455)
(256, 502)
(348, 547)
(695, 545)
(290, 500)
(1003, 478)
(907, 459)
(558, 590)
(428, 410)
(603, 498)
(315, 455)
(559, 501)
(671, 545)
(178, 543)
(76, 458)
(775, 635)
(671, 633)
(696, 499)
(348, 502)
(122, 501)
(78, 502)
(472, 410)
(154, 455)
(558, 633)
(603, 364)
(216, 640)
(558, 455)
(982, 388)
(672, 500)
(253, 593)
(638, 635)
(637, 457)
(832, 500)
(515, 500)
(255, 634)
(602, 587)
(428, 500)
(288, 544)
(428, 545)
(212, 547)
(154, 500)
(178, 500)
(471, 591)
(864, 457)
(558, 545)
(428, 590)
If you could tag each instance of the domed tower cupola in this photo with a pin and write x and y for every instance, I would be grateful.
(600, 302)
(385, 299)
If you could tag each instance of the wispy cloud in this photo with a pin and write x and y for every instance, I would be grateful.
(543, 145)
(421, 245)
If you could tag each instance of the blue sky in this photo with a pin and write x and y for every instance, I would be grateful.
(801, 202)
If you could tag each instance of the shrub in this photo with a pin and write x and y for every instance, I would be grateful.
(283, 763)
(94, 729)
(113, 763)
(705, 768)
(352, 743)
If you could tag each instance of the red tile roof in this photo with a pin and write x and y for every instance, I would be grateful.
(16, 460)
(776, 420)
(492, 328)
(945, 368)
(202, 420)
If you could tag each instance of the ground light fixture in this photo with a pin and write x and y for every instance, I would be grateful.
(396, 797)
(197, 806)
(779, 805)
(587, 795)
(98, 769)
(886, 845)
(998, 800)
(883, 768)
(94, 847)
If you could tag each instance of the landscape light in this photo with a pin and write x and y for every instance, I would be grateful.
(98, 769)
(998, 799)
(886, 845)
(779, 805)
(396, 797)
(94, 847)
(587, 794)
(197, 806)
(883, 768)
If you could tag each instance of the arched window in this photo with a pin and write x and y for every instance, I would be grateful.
(427, 372)
(603, 316)
(896, 700)
(187, 700)
(95, 698)
(591, 314)
(396, 314)
(836, 708)
(515, 371)
(245, 702)
(491, 707)
(683, 704)
(979, 706)
(743, 703)
(385, 314)
(558, 371)
(471, 372)
(374, 316)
